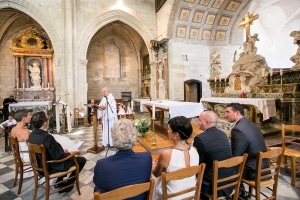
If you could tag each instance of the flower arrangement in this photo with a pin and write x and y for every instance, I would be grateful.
(142, 125)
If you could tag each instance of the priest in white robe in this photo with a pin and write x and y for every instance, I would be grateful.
(108, 112)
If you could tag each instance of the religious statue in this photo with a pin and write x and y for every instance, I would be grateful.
(296, 58)
(35, 72)
(249, 45)
(215, 69)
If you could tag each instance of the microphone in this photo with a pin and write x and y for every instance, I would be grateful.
(61, 97)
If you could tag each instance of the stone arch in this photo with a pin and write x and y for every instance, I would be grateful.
(40, 18)
(108, 17)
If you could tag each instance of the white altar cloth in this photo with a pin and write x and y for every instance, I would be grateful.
(144, 100)
(178, 108)
(30, 104)
(265, 105)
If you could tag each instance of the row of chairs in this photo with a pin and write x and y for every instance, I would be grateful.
(42, 178)
(274, 154)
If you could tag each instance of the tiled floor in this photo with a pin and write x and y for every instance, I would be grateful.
(9, 192)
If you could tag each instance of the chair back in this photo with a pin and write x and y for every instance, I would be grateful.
(127, 192)
(290, 139)
(196, 171)
(15, 149)
(38, 152)
(274, 155)
(232, 180)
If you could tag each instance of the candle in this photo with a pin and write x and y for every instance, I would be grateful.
(220, 79)
(23, 85)
(18, 85)
(271, 72)
(225, 79)
(48, 84)
(131, 105)
(215, 79)
(263, 72)
(42, 84)
(153, 111)
(280, 72)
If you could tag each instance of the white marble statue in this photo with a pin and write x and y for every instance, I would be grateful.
(35, 71)
(296, 58)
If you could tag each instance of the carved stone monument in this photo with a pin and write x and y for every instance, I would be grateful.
(250, 70)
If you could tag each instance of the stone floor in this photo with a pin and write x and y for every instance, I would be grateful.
(9, 192)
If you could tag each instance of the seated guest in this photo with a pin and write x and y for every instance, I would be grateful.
(54, 151)
(212, 144)
(246, 137)
(125, 167)
(9, 122)
(182, 155)
(90, 111)
(21, 132)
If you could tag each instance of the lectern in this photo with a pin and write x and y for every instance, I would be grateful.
(95, 149)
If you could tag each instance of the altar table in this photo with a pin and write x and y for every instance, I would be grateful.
(139, 102)
(265, 105)
(175, 108)
(35, 106)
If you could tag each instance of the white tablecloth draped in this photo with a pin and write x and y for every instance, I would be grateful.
(31, 103)
(178, 108)
(265, 105)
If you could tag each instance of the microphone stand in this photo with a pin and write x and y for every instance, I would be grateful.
(108, 105)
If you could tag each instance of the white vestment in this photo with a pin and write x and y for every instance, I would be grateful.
(109, 116)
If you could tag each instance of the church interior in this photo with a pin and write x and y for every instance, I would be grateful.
(57, 55)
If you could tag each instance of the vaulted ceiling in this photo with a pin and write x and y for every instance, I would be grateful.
(208, 21)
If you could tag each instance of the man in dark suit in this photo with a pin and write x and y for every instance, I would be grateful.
(6, 103)
(212, 144)
(54, 150)
(246, 137)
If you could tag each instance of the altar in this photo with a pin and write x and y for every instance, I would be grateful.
(174, 108)
(35, 106)
(266, 106)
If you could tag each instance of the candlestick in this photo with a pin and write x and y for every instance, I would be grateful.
(153, 140)
(17, 85)
(271, 72)
(281, 72)
(153, 111)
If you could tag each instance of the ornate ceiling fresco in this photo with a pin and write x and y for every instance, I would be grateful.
(208, 21)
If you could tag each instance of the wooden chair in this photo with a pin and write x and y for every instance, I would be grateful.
(21, 167)
(181, 174)
(39, 150)
(231, 180)
(292, 150)
(77, 117)
(263, 179)
(127, 192)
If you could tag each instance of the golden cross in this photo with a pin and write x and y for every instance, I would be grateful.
(247, 21)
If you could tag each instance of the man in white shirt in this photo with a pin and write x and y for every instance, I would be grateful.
(9, 122)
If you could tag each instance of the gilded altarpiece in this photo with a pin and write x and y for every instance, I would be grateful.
(34, 67)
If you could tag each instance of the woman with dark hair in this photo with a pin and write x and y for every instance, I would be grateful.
(182, 155)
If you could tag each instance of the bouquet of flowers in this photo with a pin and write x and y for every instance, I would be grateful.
(142, 125)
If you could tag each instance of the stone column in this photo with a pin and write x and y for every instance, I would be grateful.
(17, 72)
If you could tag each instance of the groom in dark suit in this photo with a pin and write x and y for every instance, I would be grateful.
(212, 144)
(246, 137)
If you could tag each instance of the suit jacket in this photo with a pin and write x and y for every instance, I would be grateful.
(213, 144)
(123, 168)
(54, 150)
(246, 137)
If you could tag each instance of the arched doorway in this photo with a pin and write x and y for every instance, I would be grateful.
(192, 90)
